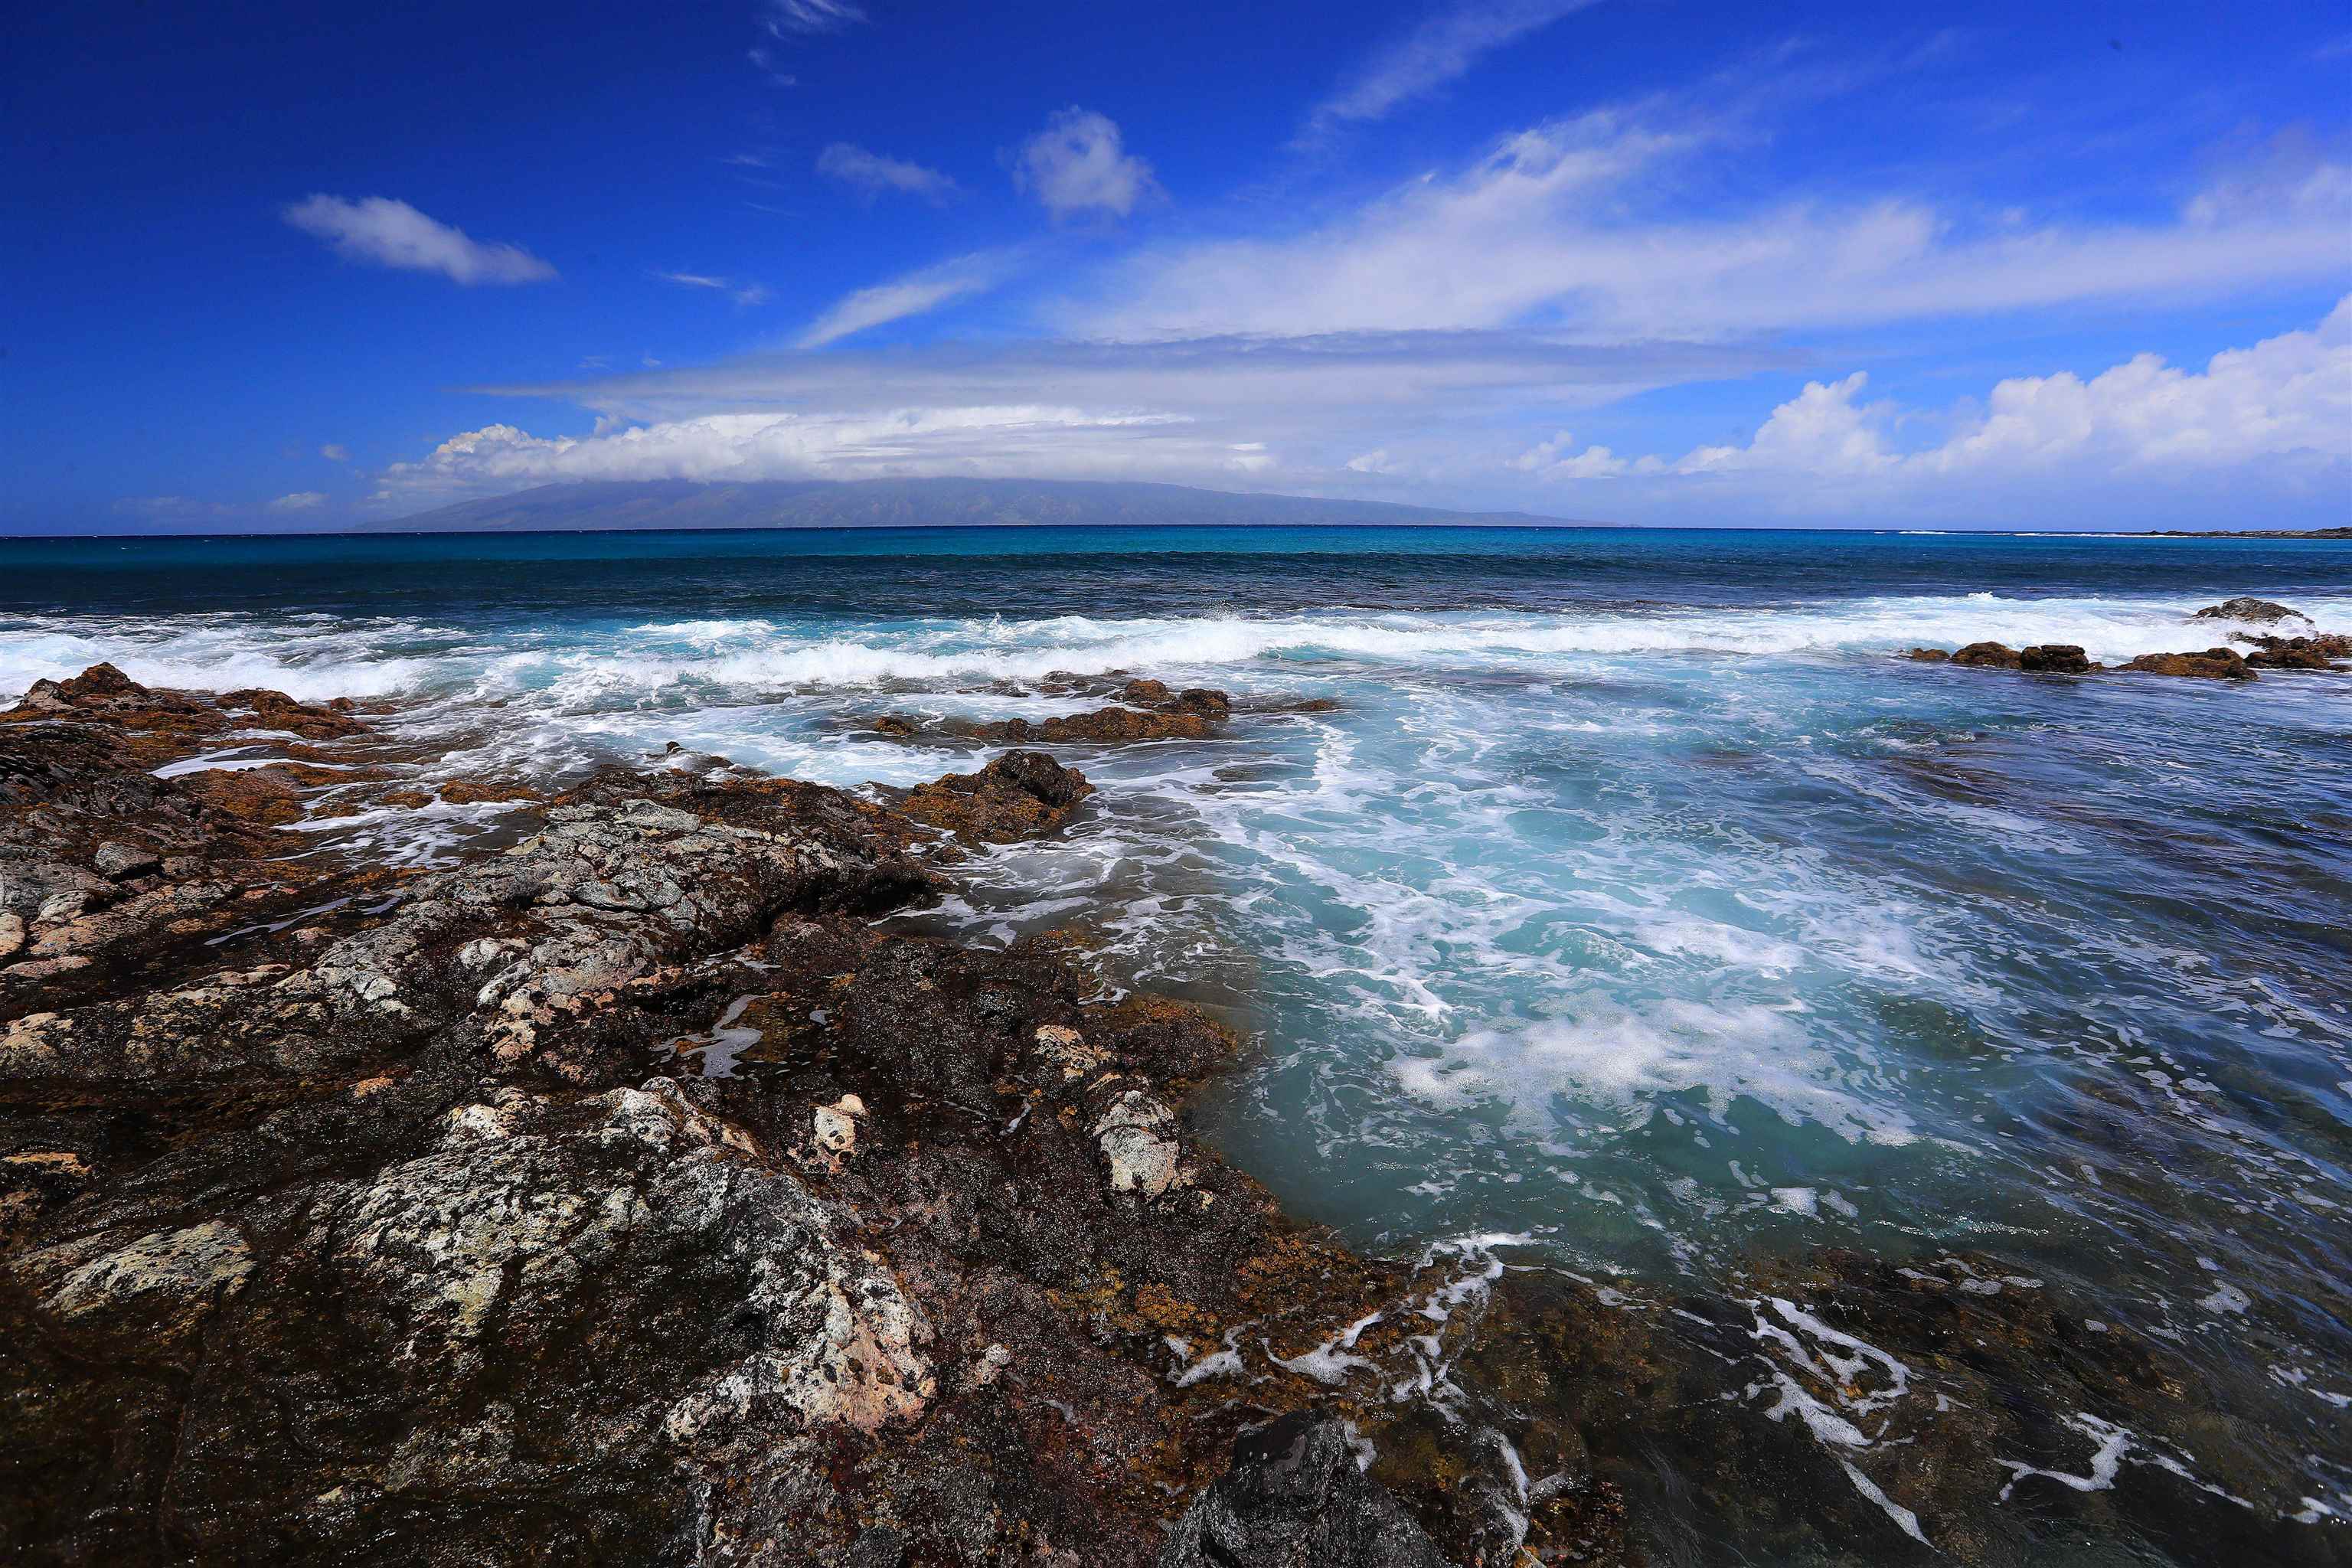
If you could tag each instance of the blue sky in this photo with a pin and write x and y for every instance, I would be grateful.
(1639, 260)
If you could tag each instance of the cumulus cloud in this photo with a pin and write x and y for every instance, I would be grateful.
(873, 175)
(915, 294)
(1078, 164)
(300, 500)
(1574, 225)
(1442, 49)
(2286, 398)
(388, 233)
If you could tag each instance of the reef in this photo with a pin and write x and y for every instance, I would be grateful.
(628, 1189)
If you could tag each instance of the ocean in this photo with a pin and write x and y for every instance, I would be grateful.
(1636, 912)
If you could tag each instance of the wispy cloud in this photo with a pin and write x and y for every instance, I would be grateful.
(1442, 49)
(388, 233)
(790, 21)
(335, 452)
(1233, 411)
(1078, 163)
(741, 293)
(300, 500)
(873, 173)
(1570, 225)
(912, 295)
(786, 17)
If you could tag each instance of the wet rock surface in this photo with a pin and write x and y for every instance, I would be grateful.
(1020, 794)
(1295, 1495)
(619, 1195)
(2248, 609)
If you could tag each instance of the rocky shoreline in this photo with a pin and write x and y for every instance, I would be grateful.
(621, 1193)
(2317, 650)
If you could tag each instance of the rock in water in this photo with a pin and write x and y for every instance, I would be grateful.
(1988, 654)
(1294, 1496)
(2244, 608)
(2214, 663)
(1018, 796)
(2055, 658)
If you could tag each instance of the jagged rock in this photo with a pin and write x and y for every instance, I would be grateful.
(2055, 658)
(1137, 1135)
(1929, 656)
(2319, 652)
(1296, 1496)
(1987, 656)
(1020, 794)
(2214, 663)
(605, 894)
(2247, 609)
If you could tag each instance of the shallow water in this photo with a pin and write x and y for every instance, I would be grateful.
(1635, 901)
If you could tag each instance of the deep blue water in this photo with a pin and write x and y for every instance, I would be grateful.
(1637, 901)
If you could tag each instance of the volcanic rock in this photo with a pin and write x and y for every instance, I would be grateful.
(2055, 658)
(2244, 608)
(1294, 1496)
(1020, 794)
(1987, 656)
(2214, 663)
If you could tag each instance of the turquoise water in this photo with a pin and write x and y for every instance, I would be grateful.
(1635, 901)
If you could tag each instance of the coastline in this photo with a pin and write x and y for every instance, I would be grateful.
(405, 1192)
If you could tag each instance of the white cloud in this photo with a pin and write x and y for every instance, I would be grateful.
(392, 234)
(1013, 441)
(741, 293)
(1820, 431)
(300, 500)
(2287, 399)
(335, 452)
(912, 295)
(785, 18)
(1556, 459)
(1077, 164)
(874, 173)
(1572, 225)
(1443, 47)
(1280, 414)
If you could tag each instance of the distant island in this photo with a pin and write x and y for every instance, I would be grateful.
(2244, 533)
(912, 503)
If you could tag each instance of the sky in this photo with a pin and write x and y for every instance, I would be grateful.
(1652, 261)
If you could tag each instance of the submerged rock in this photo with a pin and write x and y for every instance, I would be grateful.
(1020, 794)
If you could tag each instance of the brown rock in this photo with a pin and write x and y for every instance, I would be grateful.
(473, 792)
(1987, 656)
(2055, 658)
(2246, 608)
(1929, 656)
(2214, 663)
(1020, 794)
